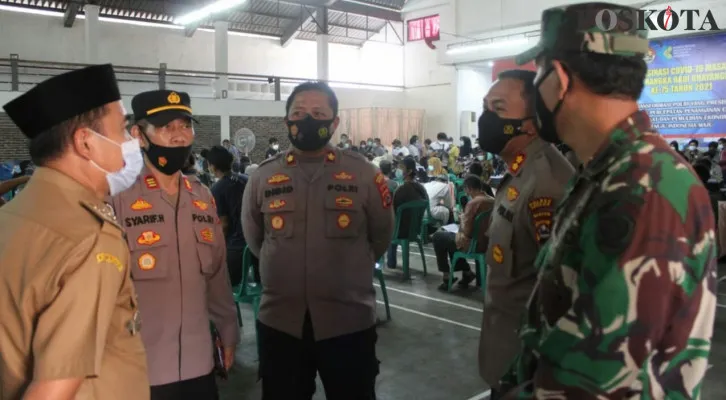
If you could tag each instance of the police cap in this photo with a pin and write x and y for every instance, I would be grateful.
(63, 97)
(159, 107)
(602, 28)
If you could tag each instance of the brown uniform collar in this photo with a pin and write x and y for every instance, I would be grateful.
(520, 160)
(332, 156)
(71, 188)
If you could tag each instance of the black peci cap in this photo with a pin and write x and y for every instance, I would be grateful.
(63, 97)
(159, 107)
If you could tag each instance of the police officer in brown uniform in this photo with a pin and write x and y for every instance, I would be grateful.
(178, 256)
(317, 217)
(69, 318)
(522, 215)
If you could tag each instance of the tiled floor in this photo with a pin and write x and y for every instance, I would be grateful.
(429, 349)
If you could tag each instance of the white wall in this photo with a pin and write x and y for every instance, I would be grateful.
(43, 38)
(429, 85)
(484, 19)
(472, 85)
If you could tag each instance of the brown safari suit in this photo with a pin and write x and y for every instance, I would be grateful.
(178, 266)
(317, 238)
(68, 305)
(521, 221)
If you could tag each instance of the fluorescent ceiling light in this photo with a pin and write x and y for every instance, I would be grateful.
(490, 45)
(24, 10)
(370, 5)
(206, 12)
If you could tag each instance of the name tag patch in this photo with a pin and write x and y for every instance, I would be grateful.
(147, 238)
(343, 188)
(278, 191)
(207, 219)
(144, 220)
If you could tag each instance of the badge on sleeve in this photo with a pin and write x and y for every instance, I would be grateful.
(147, 238)
(107, 258)
(277, 222)
(343, 221)
(207, 235)
(146, 262)
(540, 202)
(141, 205)
(382, 186)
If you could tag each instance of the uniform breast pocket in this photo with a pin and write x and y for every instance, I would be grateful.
(278, 215)
(501, 254)
(149, 256)
(343, 216)
(208, 250)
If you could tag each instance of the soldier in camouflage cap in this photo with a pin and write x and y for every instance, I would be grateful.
(624, 305)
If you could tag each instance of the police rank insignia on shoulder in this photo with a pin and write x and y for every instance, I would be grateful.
(151, 182)
(330, 158)
(517, 163)
(187, 184)
(290, 160)
(512, 193)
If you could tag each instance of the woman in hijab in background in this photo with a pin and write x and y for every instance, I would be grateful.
(435, 168)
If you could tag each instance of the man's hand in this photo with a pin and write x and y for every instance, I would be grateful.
(228, 357)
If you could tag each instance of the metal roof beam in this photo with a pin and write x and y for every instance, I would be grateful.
(369, 11)
(291, 30)
(70, 15)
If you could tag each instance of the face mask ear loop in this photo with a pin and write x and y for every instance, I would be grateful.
(567, 90)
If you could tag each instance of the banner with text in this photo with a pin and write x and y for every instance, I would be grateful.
(685, 90)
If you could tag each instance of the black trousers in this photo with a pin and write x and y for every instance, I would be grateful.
(347, 364)
(445, 247)
(234, 266)
(202, 388)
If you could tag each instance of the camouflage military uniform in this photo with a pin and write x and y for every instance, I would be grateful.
(624, 305)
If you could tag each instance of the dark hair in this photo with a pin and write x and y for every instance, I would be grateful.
(220, 159)
(51, 144)
(413, 139)
(396, 142)
(441, 136)
(703, 170)
(472, 182)
(378, 140)
(713, 145)
(466, 140)
(321, 87)
(527, 79)
(427, 142)
(386, 167)
(694, 141)
(410, 165)
(476, 169)
(273, 140)
(608, 75)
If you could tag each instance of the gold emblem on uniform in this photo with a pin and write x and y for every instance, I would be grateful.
(343, 202)
(323, 132)
(343, 221)
(147, 238)
(540, 202)
(380, 179)
(331, 156)
(343, 176)
(146, 262)
(278, 178)
(277, 204)
(290, 159)
(207, 235)
(200, 205)
(512, 193)
(106, 258)
(508, 129)
(517, 164)
(498, 254)
(140, 205)
(277, 222)
(162, 161)
(173, 98)
(293, 130)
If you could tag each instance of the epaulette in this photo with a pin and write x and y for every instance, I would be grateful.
(105, 214)
(271, 159)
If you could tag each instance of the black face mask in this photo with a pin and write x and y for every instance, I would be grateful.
(309, 134)
(495, 132)
(167, 160)
(546, 118)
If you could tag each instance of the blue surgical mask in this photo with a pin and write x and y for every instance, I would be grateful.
(120, 180)
(431, 167)
(399, 174)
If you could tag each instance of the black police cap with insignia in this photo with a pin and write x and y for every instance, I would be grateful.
(159, 107)
(63, 97)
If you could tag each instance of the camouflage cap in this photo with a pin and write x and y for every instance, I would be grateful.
(602, 28)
